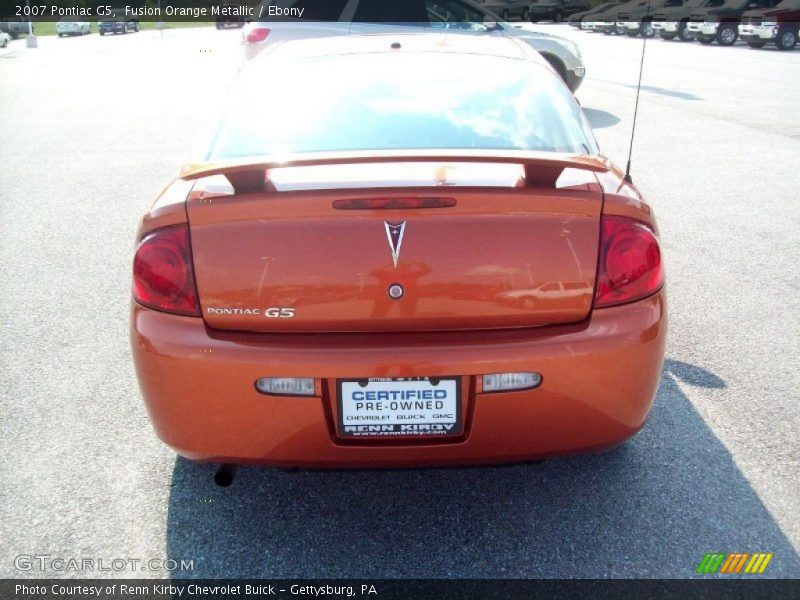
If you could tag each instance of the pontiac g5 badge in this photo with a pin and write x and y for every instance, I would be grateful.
(394, 231)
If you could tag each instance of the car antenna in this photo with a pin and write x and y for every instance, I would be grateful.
(636, 107)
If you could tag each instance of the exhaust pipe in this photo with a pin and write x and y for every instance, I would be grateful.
(224, 475)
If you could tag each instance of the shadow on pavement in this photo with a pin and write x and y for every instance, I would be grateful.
(693, 375)
(666, 92)
(653, 508)
(599, 119)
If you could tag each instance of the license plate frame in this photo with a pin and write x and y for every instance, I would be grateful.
(392, 428)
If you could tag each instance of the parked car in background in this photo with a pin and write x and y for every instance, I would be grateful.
(4, 39)
(562, 54)
(117, 22)
(576, 20)
(778, 25)
(509, 9)
(69, 27)
(722, 23)
(609, 21)
(15, 27)
(555, 10)
(354, 17)
(638, 19)
(597, 21)
(673, 22)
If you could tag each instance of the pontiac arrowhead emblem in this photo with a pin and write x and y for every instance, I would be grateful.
(395, 234)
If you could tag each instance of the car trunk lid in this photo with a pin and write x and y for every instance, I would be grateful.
(405, 246)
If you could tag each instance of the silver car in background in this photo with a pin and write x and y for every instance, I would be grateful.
(282, 20)
(68, 26)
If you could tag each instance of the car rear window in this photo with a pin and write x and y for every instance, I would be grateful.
(389, 101)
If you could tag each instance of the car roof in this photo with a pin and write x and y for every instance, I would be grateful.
(497, 46)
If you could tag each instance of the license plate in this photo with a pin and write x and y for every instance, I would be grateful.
(418, 406)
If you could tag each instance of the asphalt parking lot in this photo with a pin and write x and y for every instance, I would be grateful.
(93, 127)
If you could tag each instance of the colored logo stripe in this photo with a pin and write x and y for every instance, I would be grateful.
(734, 562)
(710, 563)
(758, 563)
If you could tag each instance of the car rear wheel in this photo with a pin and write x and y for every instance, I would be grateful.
(787, 38)
(684, 34)
(619, 29)
(647, 30)
(727, 34)
(559, 67)
(667, 35)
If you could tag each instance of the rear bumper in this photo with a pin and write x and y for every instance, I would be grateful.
(600, 25)
(706, 28)
(755, 33)
(666, 26)
(604, 26)
(599, 380)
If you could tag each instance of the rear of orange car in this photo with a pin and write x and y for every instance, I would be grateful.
(398, 251)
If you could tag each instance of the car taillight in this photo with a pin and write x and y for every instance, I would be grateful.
(163, 276)
(630, 262)
(256, 35)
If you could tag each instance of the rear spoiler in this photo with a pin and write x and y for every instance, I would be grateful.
(250, 174)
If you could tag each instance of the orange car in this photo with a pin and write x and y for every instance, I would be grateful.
(399, 251)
